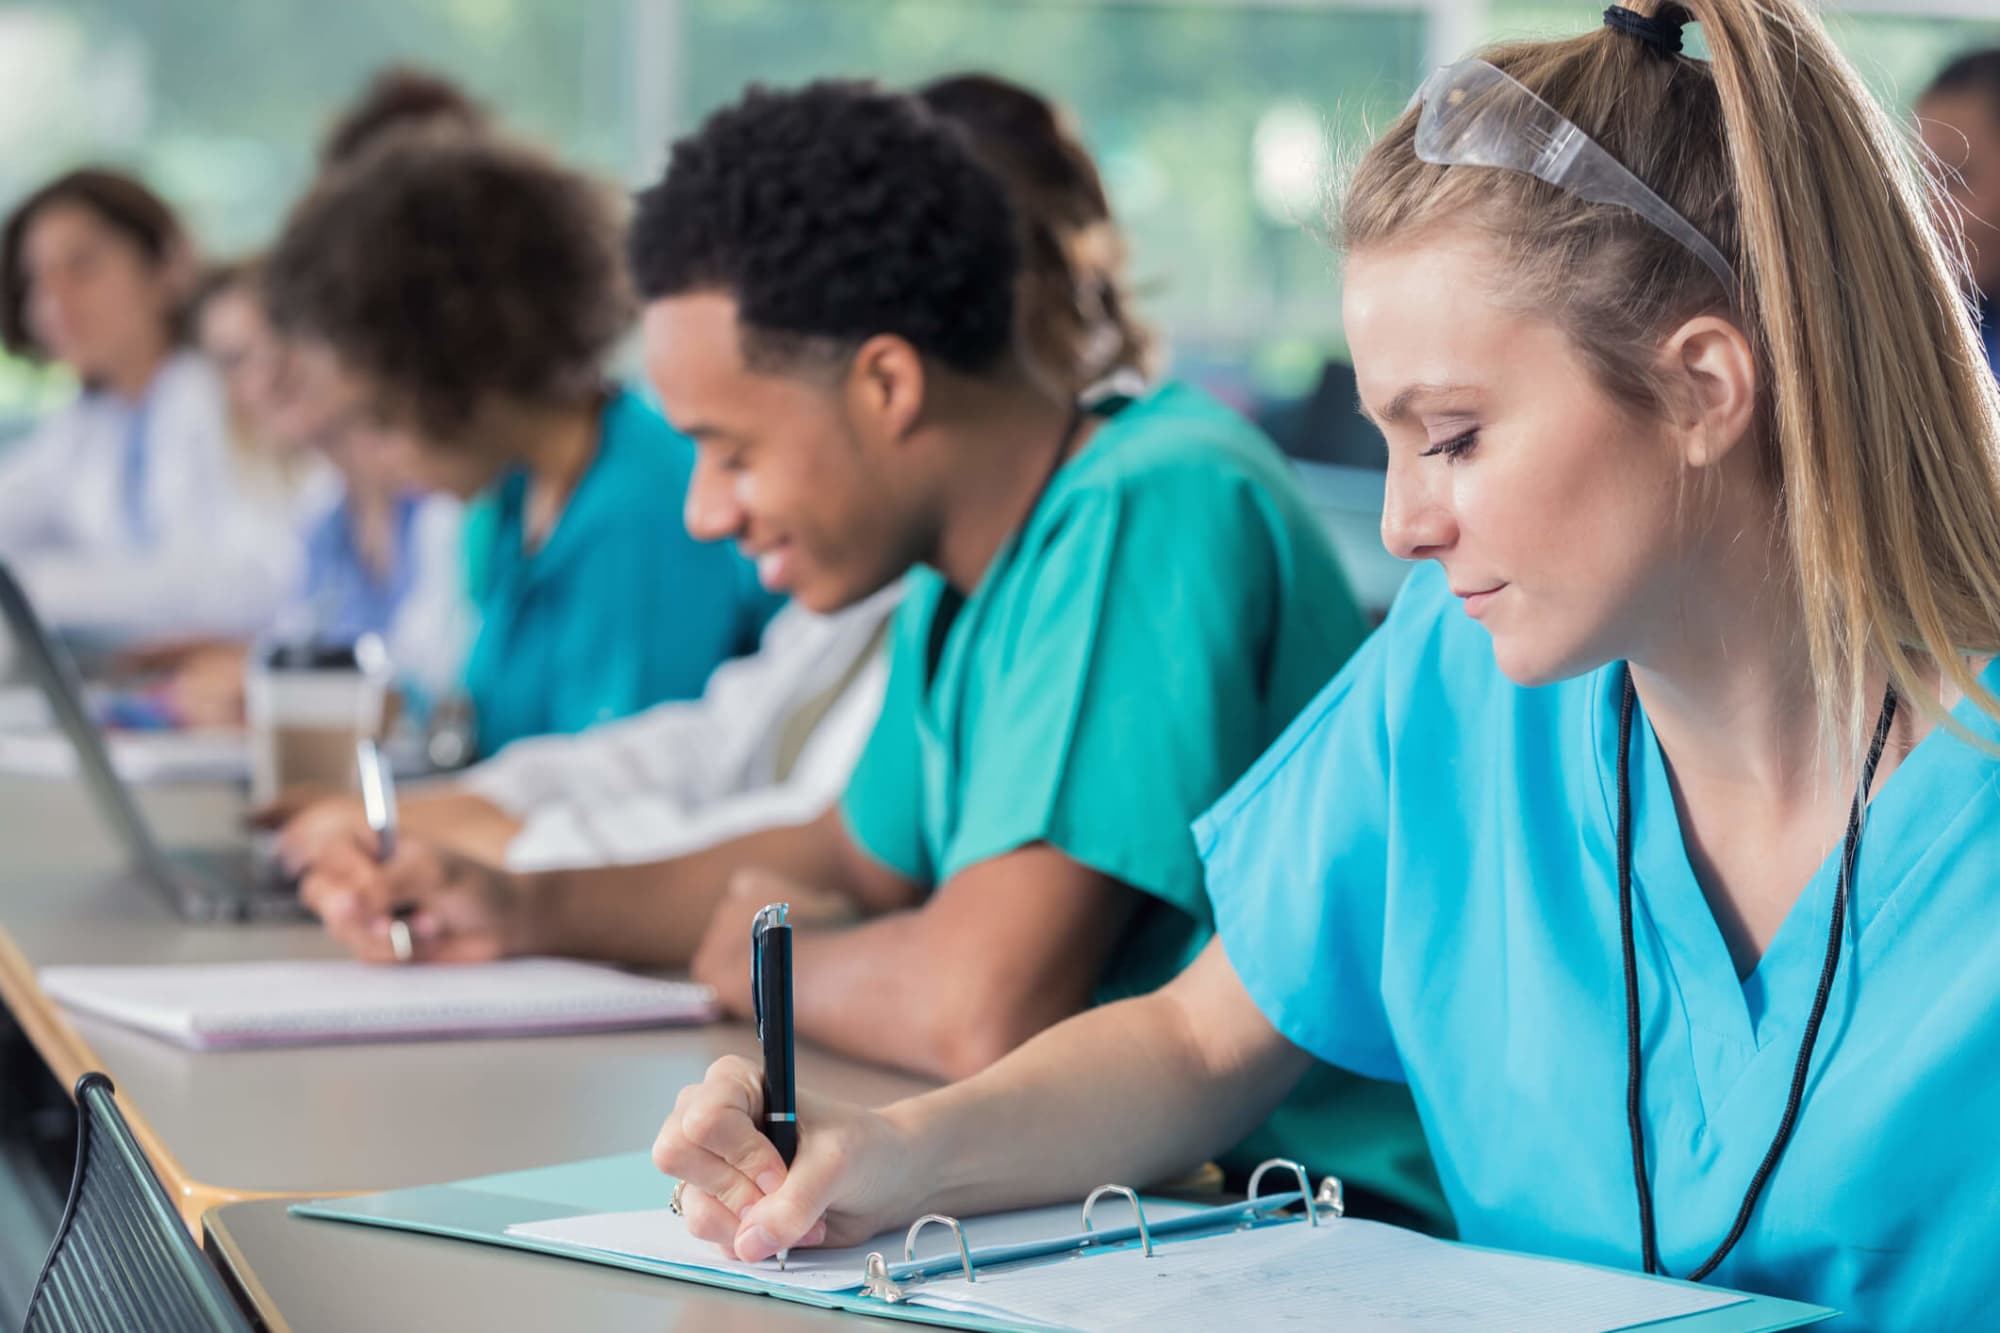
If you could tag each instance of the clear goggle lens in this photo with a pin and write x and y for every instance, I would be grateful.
(1476, 115)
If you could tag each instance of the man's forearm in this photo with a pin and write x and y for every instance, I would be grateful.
(852, 989)
(461, 820)
(882, 992)
(656, 914)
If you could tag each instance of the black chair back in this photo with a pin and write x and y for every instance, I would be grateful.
(122, 1259)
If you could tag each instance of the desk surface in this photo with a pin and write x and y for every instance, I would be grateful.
(323, 1276)
(330, 1119)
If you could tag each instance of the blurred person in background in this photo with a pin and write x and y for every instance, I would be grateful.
(381, 557)
(466, 292)
(1959, 116)
(398, 98)
(1079, 327)
(126, 514)
(232, 331)
(775, 735)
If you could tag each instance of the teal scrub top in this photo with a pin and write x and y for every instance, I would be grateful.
(1166, 609)
(619, 608)
(1419, 882)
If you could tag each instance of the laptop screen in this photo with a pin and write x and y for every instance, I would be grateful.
(53, 671)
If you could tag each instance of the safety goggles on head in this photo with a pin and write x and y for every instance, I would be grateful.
(1475, 115)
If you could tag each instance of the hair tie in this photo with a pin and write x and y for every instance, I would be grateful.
(1661, 31)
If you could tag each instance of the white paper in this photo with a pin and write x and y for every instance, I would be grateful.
(24, 708)
(139, 756)
(658, 1235)
(1346, 1274)
(302, 1003)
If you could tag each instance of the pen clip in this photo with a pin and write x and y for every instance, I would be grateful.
(772, 914)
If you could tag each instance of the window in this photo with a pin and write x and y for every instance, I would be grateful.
(1214, 120)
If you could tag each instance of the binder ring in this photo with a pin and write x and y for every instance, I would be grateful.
(1305, 1186)
(1145, 1236)
(1332, 1197)
(875, 1280)
(964, 1252)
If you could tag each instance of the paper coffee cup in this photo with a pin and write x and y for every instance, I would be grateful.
(306, 707)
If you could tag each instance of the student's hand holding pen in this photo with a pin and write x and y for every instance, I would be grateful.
(855, 1174)
(457, 910)
(308, 821)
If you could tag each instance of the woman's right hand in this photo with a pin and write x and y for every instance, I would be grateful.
(857, 1172)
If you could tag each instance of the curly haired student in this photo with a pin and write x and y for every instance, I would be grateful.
(464, 292)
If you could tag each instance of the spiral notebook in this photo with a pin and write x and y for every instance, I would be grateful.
(315, 1002)
(1119, 1260)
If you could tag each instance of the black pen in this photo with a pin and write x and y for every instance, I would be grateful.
(771, 994)
(378, 804)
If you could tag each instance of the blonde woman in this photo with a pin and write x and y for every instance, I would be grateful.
(1582, 844)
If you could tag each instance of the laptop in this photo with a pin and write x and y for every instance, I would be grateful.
(234, 883)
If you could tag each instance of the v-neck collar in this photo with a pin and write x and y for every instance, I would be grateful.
(561, 541)
(1769, 1006)
(951, 608)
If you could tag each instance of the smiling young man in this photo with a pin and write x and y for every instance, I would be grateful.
(1110, 613)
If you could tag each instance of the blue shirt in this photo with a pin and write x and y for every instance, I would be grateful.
(132, 479)
(619, 608)
(345, 597)
(1418, 881)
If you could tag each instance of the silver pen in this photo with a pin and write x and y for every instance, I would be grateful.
(378, 805)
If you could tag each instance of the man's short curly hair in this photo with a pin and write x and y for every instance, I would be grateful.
(834, 213)
(454, 271)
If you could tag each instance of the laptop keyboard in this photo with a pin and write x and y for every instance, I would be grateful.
(238, 878)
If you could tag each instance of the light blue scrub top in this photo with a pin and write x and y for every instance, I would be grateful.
(1419, 882)
(345, 596)
(619, 608)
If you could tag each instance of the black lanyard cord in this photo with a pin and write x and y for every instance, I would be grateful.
(1649, 1245)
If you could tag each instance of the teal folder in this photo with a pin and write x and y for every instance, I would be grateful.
(482, 1209)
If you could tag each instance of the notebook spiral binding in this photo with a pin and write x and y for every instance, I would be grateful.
(876, 1280)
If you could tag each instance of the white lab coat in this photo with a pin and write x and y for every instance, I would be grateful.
(219, 557)
(435, 625)
(687, 775)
